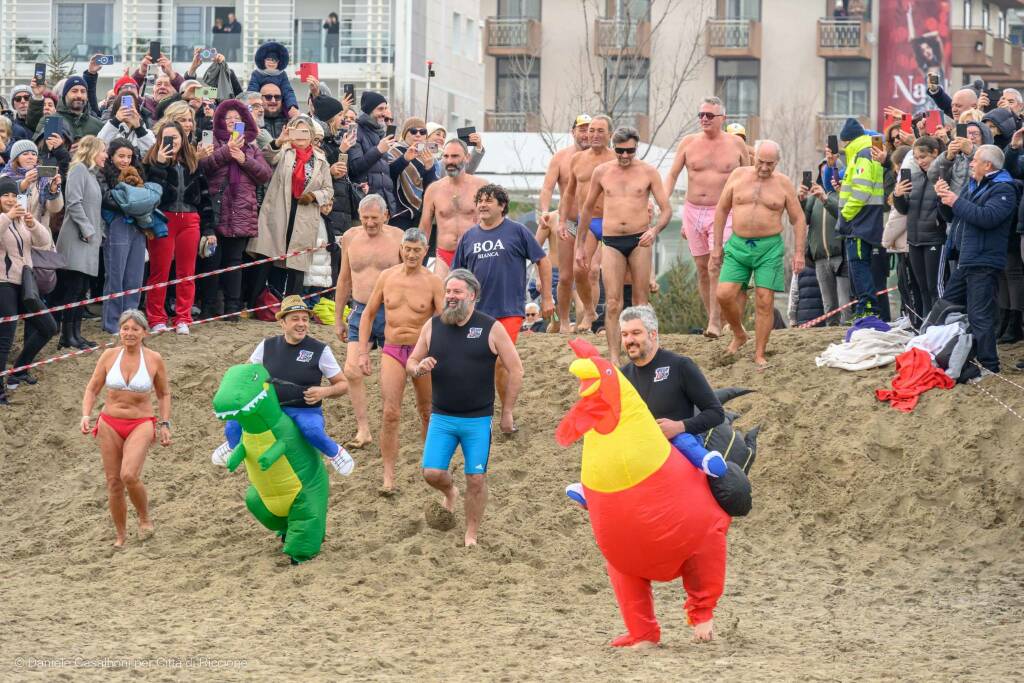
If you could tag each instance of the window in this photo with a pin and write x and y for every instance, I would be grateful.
(847, 84)
(518, 84)
(418, 44)
(737, 82)
(84, 29)
(193, 29)
(456, 33)
(626, 84)
(633, 10)
(743, 9)
(1001, 33)
(967, 13)
(984, 15)
(309, 40)
(519, 9)
(472, 39)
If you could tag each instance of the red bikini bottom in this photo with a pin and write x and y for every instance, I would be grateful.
(124, 427)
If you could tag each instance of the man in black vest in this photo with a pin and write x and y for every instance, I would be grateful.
(459, 348)
(297, 364)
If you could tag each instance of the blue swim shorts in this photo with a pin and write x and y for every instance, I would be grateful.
(376, 334)
(446, 432)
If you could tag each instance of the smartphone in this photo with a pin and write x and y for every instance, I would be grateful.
(307, 69)
(432, 146)
(206, 93)
(207, 137)
(150, 78)
(207, 53)
(993, 96)
(23, 201)
(40, 72)
(421, 147)
(808, 179)
(464, 133)
(961, 130)
(105, 60)
(933, 80)
(154, 50)
(877, 141)
(833, 144)
(168, 142)
(240, 128)
(350, 90)
(47, 171)
(126, 102)
(391, 130)
(343, 158)
(904, 174)
(52, 126)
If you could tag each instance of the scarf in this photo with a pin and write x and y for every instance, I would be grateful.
(302, 156)
(410, 183)
(371, 123)
(19, 174)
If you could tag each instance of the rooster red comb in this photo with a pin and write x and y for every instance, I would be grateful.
(583, 349)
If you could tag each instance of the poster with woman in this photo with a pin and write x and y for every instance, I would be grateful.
(913, 41)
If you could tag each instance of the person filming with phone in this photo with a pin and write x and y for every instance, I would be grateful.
(368, 158)
(412, 169)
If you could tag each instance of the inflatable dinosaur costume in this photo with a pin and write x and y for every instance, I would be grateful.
(652, 513)
(288, 483)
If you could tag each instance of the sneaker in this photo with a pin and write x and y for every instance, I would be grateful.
(159, 328)
(342, 462)
(221, 454)
(575, 493)
(181, 328)
(18, 378)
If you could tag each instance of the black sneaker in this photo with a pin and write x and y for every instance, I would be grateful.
(17, 378)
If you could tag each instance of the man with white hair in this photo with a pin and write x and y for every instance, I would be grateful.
(980, 219)
(756, 197)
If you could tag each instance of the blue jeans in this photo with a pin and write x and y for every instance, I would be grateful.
(124, 261)
(976, 288)
(862, 283)
(310, 422)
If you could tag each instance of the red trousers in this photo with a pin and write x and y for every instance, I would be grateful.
(181, 247)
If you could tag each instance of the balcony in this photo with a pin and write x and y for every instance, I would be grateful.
(639, 120)
(512, 36)
(973, 49)
(621, 38)
(832, 124)
(1002, 61)
(751, 122)
(729, 38)
(844, 38)
(511, 122)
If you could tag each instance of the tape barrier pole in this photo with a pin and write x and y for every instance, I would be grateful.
(821, 318)
(103, 347)
(146, 288)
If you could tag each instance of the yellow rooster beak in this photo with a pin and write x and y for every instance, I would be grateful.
(588, 374)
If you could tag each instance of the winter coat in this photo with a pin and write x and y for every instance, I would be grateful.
(956, 171)
(81, 234)
(862, 195)
(367, 164)
(1006, 123)
(60, 157)
(823, 242)
(141, 138)
(79, 125)
(19, 128)
(980, 221)
(806, 299)
(411, 180)
(894, 235)
(273, 224)
(194, 191)
(1014, 165)
(235, 184)
(17, 241)
(137, 203)
(274, 125)
(41, 202)
(261, 75)
(319, 273)
(345, 210)
(921, 207)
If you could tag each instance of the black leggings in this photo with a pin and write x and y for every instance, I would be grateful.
(924, 267)
(38, 329)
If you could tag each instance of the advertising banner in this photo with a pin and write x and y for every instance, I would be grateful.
(913, 41)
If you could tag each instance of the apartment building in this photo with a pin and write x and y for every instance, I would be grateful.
(793, 70)
(380, 44)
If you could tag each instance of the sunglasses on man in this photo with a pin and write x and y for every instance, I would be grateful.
(707, 115)
(20, 98)
(271, 98)
(625, 150)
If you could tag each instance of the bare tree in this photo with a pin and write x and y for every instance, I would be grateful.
(792, 125)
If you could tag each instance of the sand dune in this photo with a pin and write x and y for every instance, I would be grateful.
(881, 545)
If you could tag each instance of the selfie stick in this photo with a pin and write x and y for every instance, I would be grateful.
(430, 74)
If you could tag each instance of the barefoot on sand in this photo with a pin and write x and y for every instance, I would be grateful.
(146, 530)
(357, 443)
(738, 340)
(119, 543)
(704, 632)
(438, 517)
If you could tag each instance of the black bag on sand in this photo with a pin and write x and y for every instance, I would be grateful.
(732, 491)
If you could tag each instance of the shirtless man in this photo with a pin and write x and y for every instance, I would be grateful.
(559, 172)
(450, 199)
(366, 251)
(581, 168)
(709, 157)
(410, 295)
(756, 196)
(624, 186)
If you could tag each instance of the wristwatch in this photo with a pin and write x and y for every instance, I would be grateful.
(164, 423)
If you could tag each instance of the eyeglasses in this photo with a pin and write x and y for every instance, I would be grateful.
(20, 98)
(418, 131)
(271, 98)
(707, 115)
(625, 150)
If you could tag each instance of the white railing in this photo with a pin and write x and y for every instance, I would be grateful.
(508, 32)
(840, 33)
(729, 33)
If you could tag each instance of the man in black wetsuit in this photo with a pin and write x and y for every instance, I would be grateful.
(672, 386)
(459, 348)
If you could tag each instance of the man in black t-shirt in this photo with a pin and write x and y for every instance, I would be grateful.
(672, 386)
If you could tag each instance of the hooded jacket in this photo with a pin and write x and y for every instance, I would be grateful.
(235, 183)
(261, 75)
(79, 125)
(823, 242)
(862, 194)
(367, 164)
(921, 207)
(956, 171)
(1005, 121)
(980, 221)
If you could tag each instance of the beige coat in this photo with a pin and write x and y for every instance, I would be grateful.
(273, 224)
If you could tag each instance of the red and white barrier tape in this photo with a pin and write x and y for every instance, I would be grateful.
(146, 288)
(831, 313)
(102, 347)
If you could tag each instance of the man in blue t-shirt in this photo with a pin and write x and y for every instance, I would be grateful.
(496, 251)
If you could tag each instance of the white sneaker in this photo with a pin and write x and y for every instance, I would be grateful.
(181, 328)
(221, 454)
(342, 462)
(158, 328)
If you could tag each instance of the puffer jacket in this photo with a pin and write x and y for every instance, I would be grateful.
(367, 164)
(235, 183)
(805, 302)
(1005, 122)
(344, 211)
(319, 273)
(980, 221)
(823, 242)
(921, 207)
(956, 171)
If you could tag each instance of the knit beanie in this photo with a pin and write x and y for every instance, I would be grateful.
(125, 81)
(851, 130)
(411, 122)
(22, 146)
(70, 83)
(326, 108)
(19, 89)
(370, 100)
(8, 185)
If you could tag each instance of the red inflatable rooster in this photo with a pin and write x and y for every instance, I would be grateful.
(652, 512)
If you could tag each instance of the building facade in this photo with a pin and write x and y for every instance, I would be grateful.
(380, 44)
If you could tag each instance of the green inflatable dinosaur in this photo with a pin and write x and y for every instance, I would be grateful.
(288, 483)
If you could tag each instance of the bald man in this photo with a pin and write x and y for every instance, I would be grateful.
(757, 196)
(962, 100)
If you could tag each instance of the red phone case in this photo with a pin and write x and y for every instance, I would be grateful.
(307, 69)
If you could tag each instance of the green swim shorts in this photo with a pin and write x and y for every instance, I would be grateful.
(760, 256)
